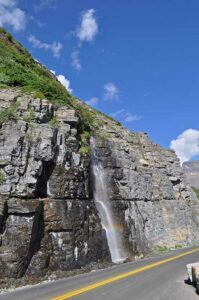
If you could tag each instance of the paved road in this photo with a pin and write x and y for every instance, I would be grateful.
(156, 278)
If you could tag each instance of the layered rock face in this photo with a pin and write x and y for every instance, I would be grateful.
(153, 205)
(191, 170)
(48, 219)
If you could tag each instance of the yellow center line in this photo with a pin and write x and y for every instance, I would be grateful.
(121, 276)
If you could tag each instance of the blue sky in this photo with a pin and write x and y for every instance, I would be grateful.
(137, 60)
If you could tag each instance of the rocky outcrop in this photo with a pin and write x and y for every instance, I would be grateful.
(48, 219)
(153, 204)
(191, 170)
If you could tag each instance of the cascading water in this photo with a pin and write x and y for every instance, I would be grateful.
(104, 208)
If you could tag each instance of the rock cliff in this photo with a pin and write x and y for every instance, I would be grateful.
(48, 219)
(191, 170)
(47, 215)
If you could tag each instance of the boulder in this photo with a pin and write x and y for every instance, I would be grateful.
(65, 115)
(190, 267)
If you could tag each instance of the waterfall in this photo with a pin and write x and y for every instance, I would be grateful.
(104, 208)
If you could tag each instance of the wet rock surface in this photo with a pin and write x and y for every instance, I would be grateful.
(153, 205)
(48, 219)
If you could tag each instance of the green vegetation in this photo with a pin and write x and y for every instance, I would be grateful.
(164, 249)
(85, 136)
(108, 117)
(54, 122)
(93, 120)
(19, 69)
(105, 135)
(9, 113)
(2, 177)
(30, 116)
(85, 150)
(84, 143)
(161, 249)
(87, 115)
(178, 246)
(6, 34)
(39, 95)
(196, 191)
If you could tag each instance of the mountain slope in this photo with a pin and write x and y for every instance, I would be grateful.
(48, 219)
(18, 68)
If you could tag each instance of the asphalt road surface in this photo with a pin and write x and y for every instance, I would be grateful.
(155, 278)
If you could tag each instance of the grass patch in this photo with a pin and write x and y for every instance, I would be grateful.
(54, 122)
(161, 249)
(9, 113)
(85, 143)
(30, 116)
(87, 116)
(178, 246)
(39, 95)
(19, 69)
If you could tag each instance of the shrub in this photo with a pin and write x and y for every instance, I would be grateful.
(4, 78)
(85, 150)
(87, 116)
(178, 246)
(54, 122)
(85, 136)
(39, 95)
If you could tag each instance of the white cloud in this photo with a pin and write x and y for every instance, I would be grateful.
(8, 3)
(55, 47)
(37, 22)
(110, 91)
(11, 15)
(93, 101)
(117, 113)
(126, 116)
(88, 28)
(65, 82)
(186, 145)
(129, 117)
(75, 60)
(45, 4)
